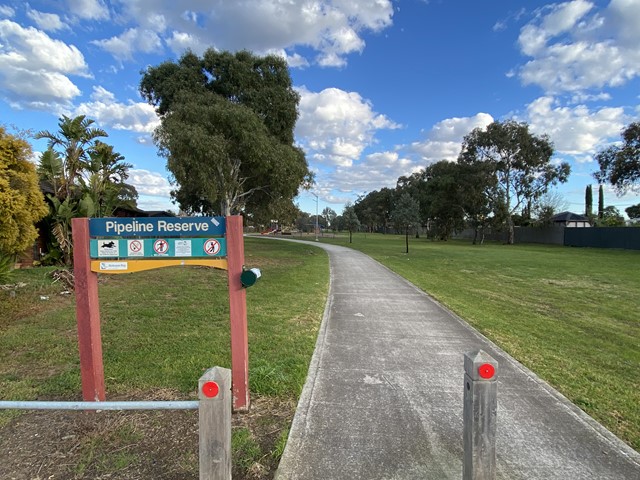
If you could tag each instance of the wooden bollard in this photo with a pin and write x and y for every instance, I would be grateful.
(214, 412)
(480, 414)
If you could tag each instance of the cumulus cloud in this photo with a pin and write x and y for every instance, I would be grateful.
(132, 116)
(336, 126)
(149, 183)
(444, 140)
(88, 9)
(179, 42)
(373, 172)
(575, 130)
(574, 47)
(123, 46)
(34, 68)
(330, 28)
(49, 22)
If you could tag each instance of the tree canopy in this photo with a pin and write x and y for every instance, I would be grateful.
(21, 202)
(227, 123)
(74, 138)
(350, 219)
(86, 175)
(620, 164)
(406, 214)
(520, 162)
(633, 212)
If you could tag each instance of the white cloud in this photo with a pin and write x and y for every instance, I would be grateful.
(7, 11)
(374, 172)
(88, 9)
(149, 183)
(49, 22)
(444, 140)
(133, 116)
(133, 40)
(574, 48)
(336, 126)
(178, 42)
(34, 68)
(575, 130)
(623, 17)
(331, 28)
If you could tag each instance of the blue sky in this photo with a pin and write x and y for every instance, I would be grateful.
(387, 87)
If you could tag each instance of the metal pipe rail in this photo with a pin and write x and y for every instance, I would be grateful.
(131, 405)
(214, 418)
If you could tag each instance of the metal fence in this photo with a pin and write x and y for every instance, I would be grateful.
(214, 416)
(595, 237)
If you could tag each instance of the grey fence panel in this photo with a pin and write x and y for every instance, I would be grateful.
(546, 235)
(603, 237)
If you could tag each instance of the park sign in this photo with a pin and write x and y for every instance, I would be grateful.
(156, 226)
(123, 237)
(130, 244)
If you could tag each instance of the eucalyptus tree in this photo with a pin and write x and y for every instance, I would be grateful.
(633, 212)
(374, 209)
(350, 220)
(329, 215)
(519, 161)
(406, 214)
(620, 164)
(227, 123)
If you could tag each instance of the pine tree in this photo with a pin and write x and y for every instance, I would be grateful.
(601, 203)
(588, 201)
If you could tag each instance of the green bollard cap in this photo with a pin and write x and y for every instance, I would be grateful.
(249, 277)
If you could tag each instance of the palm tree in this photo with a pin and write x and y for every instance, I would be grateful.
(75, 138)
(50, 169)
(103, 178)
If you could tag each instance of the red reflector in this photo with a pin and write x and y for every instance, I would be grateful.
(210, 389)
(486, 371)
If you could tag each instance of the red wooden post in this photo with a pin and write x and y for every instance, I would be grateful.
(238, 315)
(87, 314)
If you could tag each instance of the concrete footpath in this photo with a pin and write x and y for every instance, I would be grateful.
(384, 394)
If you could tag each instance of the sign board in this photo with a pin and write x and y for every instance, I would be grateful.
(127, 245)
(154, 248)
(156, 227)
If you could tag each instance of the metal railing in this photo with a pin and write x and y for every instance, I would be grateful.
(214, 416)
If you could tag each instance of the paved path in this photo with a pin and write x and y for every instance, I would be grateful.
(383, 397)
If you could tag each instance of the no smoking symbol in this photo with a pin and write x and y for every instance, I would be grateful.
(135, 246)
(211, 247)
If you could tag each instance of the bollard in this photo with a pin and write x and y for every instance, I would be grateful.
(479, 416)
(214, 392)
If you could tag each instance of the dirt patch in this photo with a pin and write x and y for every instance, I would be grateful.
(61, 445)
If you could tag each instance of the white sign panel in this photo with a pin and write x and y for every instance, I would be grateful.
(135, 248)
(182, 248)
(108, 248)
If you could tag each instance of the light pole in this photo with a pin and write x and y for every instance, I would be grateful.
(316, 195)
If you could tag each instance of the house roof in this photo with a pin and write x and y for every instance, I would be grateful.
(569, 217)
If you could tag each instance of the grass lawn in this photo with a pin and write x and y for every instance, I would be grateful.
(571, 315)
(160, 330)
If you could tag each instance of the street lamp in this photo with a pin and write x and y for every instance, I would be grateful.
(316, 195)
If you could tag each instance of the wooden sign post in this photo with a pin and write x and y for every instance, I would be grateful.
(123, 246)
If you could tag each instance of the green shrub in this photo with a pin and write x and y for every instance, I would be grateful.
(6, 268)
